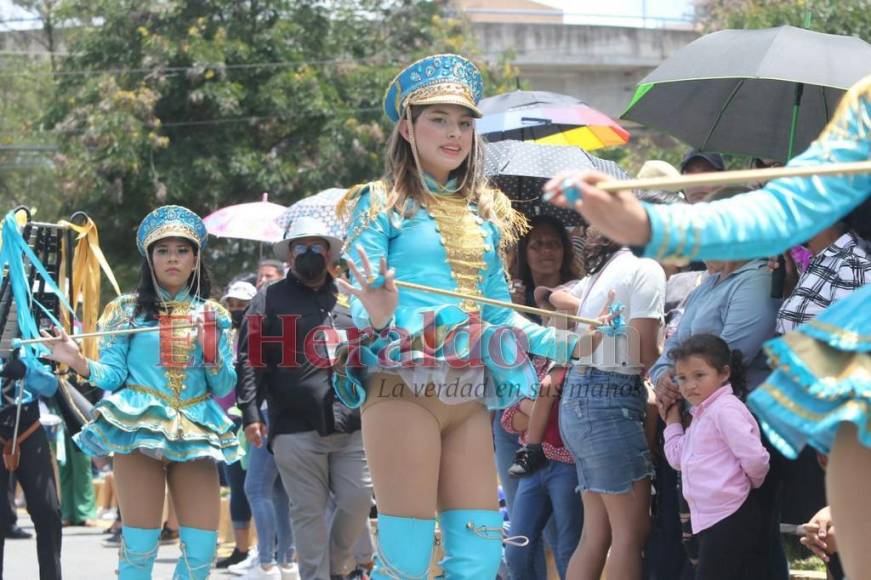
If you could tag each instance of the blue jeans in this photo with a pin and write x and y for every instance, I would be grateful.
(549, 491)
(506, 444)
(602, 425)
(270, 507)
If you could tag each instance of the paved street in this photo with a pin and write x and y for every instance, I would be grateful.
(84, 557)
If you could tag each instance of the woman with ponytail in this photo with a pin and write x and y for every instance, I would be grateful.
(160, 419)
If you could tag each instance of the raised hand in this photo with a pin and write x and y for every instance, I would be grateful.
(377, 293)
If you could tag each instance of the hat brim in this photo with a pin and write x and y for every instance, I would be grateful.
(447, 100)
(282, 249)
(163, 233)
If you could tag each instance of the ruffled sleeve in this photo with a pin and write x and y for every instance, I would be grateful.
(110, 371)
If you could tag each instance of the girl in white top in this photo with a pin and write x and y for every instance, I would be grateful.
(603, 406)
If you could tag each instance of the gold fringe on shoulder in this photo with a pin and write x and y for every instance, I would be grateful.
(378, 198)
(378, 202)
(117, 312)
(512, 224)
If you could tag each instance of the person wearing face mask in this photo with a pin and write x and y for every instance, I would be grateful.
(315, 439)
(236, 300)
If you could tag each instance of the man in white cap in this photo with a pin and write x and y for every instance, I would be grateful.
(316, 440)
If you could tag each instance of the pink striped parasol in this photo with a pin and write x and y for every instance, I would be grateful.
(247, 221)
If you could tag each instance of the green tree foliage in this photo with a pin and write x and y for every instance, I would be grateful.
(848, 17)
(208, 103)
(26, 151)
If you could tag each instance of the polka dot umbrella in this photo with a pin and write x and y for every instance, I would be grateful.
(521, 168)
(321, 206)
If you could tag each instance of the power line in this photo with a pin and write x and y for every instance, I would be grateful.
(178, 70)
(224, 121)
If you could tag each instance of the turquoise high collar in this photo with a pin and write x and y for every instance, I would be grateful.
(179, 297)
(448, 188)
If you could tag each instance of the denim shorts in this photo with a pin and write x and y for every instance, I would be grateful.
(602, 425)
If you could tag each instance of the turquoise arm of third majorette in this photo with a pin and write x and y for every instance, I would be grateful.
(784, 213)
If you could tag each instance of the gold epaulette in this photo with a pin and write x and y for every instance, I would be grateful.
(117, 311)
(378, 202)
(377, 194)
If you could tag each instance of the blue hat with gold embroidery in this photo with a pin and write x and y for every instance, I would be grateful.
(170, 221)
(439, 79)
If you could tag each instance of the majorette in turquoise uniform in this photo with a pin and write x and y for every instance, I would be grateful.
(161, 388)
(450, 233)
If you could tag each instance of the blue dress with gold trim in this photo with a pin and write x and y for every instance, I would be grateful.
(822, 375)
(446, 245)
(167, 412)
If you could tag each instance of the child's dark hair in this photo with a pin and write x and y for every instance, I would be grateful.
(716, 353)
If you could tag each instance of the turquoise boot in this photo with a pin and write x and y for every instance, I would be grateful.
(138, 552)
(473, 544)
(198, 549)
(404, 548)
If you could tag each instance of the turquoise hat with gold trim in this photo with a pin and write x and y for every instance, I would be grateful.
(170, 221)
(438, 79)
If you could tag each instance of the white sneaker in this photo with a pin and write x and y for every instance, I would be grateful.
(289, 571)
(258, 573)
(242, 567)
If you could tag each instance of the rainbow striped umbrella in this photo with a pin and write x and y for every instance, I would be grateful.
(548, 118)
(247, 221)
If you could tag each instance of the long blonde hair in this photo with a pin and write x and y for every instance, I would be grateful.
(402, 182)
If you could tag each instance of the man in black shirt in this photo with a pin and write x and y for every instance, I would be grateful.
(316, 440)
(31, 460)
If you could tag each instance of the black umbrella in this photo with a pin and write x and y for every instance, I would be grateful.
(521, 168)
(766, 93)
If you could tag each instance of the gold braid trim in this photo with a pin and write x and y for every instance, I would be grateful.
(493, 206)
(463, 239)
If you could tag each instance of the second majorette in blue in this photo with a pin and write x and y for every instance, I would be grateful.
(160, 419)
(434, 220)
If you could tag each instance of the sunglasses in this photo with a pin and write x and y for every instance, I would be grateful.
(316, 247)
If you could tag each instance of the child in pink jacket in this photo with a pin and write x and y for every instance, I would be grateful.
(721, 459)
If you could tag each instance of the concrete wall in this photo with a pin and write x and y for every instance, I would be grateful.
(508, 11)
(599, 64)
